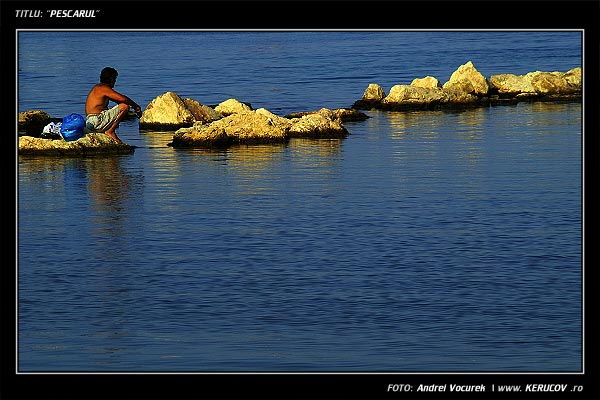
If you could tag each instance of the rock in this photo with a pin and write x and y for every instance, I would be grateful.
(414, 94)
(427, 82)
(371, 98)
(510, 85)
(170, 112)
(573, 78)
(348, 114)
(467, 79)
(458, 99)
(259, 127)
(323, 124)
(167, 111)
(246, 127)
(538, 85)
(408, 97)
(92, 143)
(373, 92)
(201, 112)
(344, 114)
(33, 117)
(232, 106)
(32, 122)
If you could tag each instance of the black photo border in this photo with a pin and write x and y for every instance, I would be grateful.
(300, 15)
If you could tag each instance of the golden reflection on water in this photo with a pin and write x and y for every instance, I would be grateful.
(468, 124)
(435, 128)
(468, 144)
(251, 169)
(256, 169)
(550, 115)
(249, 156)
(440, 145)
(156, 139)
(431, 122)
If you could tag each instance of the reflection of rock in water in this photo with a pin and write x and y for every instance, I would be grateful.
(156, 139)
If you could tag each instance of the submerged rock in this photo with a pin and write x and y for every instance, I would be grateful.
(92, 143)
(343, 114)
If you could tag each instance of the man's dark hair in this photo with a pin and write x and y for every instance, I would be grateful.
(108, 74)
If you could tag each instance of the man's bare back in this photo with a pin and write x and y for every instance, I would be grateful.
(101, 94)
(97, 102)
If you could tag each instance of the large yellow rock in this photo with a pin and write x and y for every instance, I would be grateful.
(468, 79)
(166, 110)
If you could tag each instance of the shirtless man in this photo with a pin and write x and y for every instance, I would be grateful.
(99, 118)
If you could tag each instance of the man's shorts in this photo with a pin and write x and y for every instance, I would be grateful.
(101, 122)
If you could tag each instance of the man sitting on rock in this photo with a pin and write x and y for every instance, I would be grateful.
(99, 118)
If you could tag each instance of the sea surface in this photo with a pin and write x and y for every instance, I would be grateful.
(423, 242)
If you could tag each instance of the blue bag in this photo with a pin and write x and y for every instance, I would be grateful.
(72, 127)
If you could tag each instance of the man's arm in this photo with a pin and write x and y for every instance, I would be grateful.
(121, 98)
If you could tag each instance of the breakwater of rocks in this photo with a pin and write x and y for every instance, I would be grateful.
(468, 88)
(232, 122)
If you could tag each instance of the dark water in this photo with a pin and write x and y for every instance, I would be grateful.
(424, 241)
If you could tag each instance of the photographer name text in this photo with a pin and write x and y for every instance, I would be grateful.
(532, 387)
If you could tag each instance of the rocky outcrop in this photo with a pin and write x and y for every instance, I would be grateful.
(467, 87)
(538, 84)
(246, 126)
(92, 143)
(197, 125)
(31, 122)
(323, 124)
(466, 79)
(415, 97)
(234, 122)
(167, 111)
(31, 125)
(170, 112)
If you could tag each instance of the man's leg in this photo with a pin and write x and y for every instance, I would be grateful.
(123, 108)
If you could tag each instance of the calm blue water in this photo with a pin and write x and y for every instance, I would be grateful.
(424, 241)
